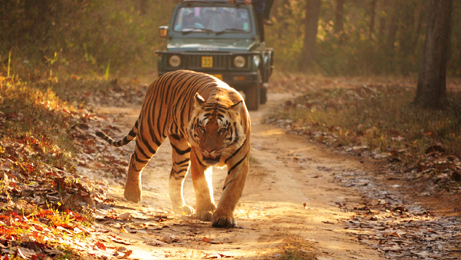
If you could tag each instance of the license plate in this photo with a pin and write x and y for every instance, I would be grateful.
(207, 62)
(218, 76)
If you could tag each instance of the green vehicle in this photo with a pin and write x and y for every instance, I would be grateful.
(221, 39)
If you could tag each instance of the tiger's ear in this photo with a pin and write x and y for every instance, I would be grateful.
(237, 107)
(199, 101)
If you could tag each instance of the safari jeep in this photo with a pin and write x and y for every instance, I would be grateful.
(221, 39)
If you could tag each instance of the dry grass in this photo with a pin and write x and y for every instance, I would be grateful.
(297, 249)
(39, 118)
(378, 119)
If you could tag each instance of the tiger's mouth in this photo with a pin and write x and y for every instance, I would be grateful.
(211, 160)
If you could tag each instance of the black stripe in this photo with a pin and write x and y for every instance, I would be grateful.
(181, 162)
(199, 161)
(151, 149)
(228, 184)
(233, 167)
(125, 140)
(180, 171)
(175, 137)
(139, 160)
(181, 152)
(147, 142)
(152, 134)
(236, 152)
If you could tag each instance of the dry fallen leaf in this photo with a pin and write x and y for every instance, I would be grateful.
(127, 254)
(215, 255)
(125, 216)
(99, 246)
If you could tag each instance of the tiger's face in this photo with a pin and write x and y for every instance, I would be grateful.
(215, 130)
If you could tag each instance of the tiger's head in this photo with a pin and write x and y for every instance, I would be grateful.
(216, 130)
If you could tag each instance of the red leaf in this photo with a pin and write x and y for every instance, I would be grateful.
(99, 246)
(127, 254)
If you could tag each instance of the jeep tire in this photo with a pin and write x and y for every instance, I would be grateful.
(263, 96)
(252, 97)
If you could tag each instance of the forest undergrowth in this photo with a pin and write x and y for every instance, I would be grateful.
(375, 118)
(46, 134)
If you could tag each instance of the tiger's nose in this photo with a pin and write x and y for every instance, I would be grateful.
(209, 150)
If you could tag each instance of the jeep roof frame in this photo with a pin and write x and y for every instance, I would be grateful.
(210, 1)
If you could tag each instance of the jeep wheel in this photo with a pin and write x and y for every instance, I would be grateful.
(263, 96)
(252, 94)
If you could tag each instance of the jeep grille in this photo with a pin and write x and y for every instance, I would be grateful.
(194, 61)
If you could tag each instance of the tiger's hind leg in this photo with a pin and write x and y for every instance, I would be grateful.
(139, 159)
(201, 178)
(181, 157)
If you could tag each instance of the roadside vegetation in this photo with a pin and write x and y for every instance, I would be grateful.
(374, 118)
(41, 192)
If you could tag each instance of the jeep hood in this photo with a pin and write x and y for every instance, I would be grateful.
(225, 45)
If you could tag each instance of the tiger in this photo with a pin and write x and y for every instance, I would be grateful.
(207, 124)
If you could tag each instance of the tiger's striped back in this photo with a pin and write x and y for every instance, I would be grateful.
(168, 105)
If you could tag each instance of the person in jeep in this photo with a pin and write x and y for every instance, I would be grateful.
(212, 19)
(261, 9)
(188, 21)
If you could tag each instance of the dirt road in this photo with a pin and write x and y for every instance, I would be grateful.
(294, 192)
(288, 197)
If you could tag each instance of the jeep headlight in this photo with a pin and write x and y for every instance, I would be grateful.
(239, 62)
(174, 61)
(256, 60)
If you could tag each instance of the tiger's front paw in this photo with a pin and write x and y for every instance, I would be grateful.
(204, 215)
(185, 209)
(205, 211)
(223, 221)
(132, 193)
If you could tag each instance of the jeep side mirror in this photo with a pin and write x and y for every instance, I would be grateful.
(162, 31)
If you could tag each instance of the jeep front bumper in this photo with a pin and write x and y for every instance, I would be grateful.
(220, 65)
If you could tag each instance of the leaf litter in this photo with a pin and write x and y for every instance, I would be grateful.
(390, 222)
(53, 201)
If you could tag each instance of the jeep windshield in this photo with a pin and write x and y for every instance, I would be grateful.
(212, 19)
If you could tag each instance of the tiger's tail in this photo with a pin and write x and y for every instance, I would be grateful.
(126, 140)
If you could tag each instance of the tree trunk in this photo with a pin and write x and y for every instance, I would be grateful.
(393, 26)
(339, 12)
(371, 26)
(310, 33)
(431, 89)
(384, 6)
(142, 7)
